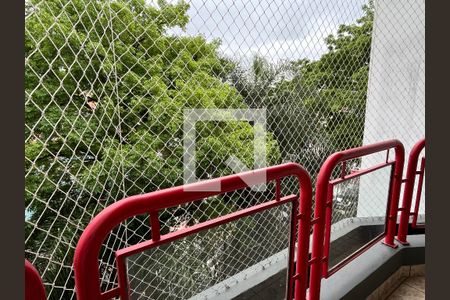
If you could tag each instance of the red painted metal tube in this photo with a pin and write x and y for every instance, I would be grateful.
(34, 287)
(328, 219)
(359, 173)
(321, 197)
(418, 195)
(87, 275)
(409, 190)
(179, 234)
(303, 221)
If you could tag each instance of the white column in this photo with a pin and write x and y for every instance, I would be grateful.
(396, 91)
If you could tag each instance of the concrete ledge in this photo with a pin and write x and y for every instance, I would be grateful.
(366, 272)
(249, 279)
(266, 280)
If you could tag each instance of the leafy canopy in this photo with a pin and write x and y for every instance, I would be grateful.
(106, 85)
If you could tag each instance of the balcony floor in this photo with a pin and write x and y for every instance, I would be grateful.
(412, 288)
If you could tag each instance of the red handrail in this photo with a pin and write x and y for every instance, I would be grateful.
(321, 198)
(409, 190)
(415, 212)
(34, 288)
(87, 276)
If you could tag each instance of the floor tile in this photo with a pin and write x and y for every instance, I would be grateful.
(418, 270)
(417, 282)
(406, 292)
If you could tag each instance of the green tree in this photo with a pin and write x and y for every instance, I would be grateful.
(106, 85)
(314, 107)
(336, 84)
(278, 88)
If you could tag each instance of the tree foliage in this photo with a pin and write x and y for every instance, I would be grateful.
(337, 82)
(106, 85)
(328, 94)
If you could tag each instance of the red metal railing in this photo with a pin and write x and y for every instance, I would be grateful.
(323, 205)
(34, 288)
(411, 173)
(86, 266)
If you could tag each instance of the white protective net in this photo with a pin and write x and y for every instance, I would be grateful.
(106, 83)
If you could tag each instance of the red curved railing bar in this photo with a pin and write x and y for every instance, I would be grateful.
(409, 180)
(321, 198)
(418, 195)
(86, 266)
(34, 287)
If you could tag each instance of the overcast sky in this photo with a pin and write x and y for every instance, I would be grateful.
(276, 29)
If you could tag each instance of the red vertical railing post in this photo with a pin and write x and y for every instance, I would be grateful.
(328, 220)
(304, 226)
(321, 198)
(396, 185)
(409, 190)
(34, 288)
(319, 225)
(419, 193)
(291, 269)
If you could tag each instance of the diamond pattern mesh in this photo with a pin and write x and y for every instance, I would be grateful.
(209, 257)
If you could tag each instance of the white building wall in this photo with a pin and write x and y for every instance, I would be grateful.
(396, 90)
